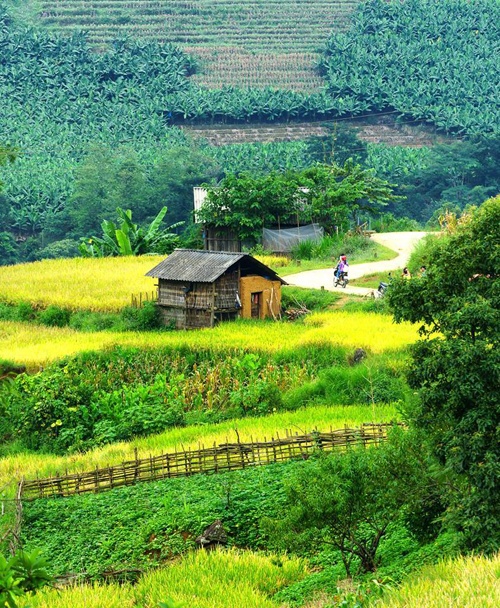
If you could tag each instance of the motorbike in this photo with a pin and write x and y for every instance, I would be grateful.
(383, 286)
(341, 279)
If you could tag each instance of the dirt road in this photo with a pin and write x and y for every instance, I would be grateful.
(401, 242)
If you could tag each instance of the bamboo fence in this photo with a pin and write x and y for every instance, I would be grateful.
(137, 300)
(11, 512)
(216, 459)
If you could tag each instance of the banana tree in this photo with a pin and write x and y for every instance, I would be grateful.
(130, 239)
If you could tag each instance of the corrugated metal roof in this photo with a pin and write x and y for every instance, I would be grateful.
(198, 266)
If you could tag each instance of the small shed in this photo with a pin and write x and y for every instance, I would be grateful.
(199, 288)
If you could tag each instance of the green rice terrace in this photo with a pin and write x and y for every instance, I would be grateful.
(241, 43)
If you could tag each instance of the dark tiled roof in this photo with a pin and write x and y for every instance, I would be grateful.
(206, 266)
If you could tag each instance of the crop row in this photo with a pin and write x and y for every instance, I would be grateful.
(234, 67)
(189, 21)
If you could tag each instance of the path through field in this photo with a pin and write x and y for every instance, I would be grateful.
(401, 242)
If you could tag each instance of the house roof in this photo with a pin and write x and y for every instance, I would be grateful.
(198, 266)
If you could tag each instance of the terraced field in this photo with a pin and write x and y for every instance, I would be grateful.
(254, 43)
(382, 130)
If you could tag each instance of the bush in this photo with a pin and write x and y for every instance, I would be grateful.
(54, 316)
(146, 318)
(25, 312)
(98, 398)
(83, 320)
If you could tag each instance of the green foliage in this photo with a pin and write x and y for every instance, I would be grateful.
(327, 194)
(129, 239)
(453, 176)
(54, 316)
(387, 222)
(149, 524)
(457, 374)
(339, 385)
(8, 249)
(351, 501)
(145, 318)
(65, 248)
(21, 574)
(100, 398)
(430, 61)
(341, 144)
(312, 299)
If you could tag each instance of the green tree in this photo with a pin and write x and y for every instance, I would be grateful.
(128, 238)
(173, 176)
(93, 198)
(8, 249)
(339, 194)
(352, 500)
(327, 194)
(246, 203)
(456, 367)
(341, 144)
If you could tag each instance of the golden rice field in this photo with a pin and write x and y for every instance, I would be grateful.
(97, 284)
(301, 421)
(34, 346)
(228, 578)
(216, 579)
(469, 582)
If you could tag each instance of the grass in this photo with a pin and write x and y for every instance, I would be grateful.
(372, 280)
(107, 284)
(217, 579)
(21, 343)
(303, 420)
(96, 284)
(468, 582)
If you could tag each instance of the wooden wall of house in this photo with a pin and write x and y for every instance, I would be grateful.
(268, 292)
(217, 239)
(194, 305)
(187, 305)
(226, 290)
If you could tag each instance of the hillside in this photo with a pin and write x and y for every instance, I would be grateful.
(71, 95)
(253, 43)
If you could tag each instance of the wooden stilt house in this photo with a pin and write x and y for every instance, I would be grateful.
(199, 288)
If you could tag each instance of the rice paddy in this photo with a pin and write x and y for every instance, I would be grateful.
(468, 582)
(29, 465)
(218, 579)
(96, 284)
(36, 346)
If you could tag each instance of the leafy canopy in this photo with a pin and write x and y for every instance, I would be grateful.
(456, 366)
(327, 194)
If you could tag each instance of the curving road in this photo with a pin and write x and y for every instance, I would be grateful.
(402, 243)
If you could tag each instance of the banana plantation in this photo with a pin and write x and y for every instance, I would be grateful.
(64, 91)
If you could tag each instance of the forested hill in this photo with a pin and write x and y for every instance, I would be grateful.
(68, 96)
(431, 61)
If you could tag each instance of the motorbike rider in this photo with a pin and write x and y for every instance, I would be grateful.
(342, 266)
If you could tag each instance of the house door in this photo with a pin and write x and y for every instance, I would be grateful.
(256, 304)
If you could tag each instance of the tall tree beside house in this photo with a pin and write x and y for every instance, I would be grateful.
(327, 194)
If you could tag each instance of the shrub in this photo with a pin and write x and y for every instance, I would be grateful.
(54, 316)
(146, 318)
(25, 312)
